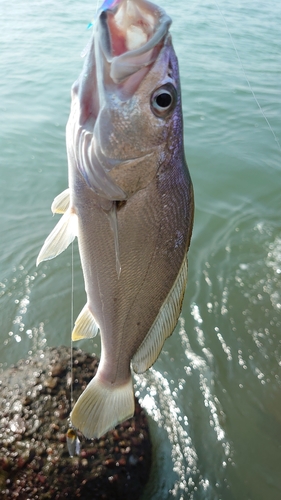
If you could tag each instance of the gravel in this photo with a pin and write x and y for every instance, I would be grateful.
(34, 460)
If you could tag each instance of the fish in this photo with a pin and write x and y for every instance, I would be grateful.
(129, 202)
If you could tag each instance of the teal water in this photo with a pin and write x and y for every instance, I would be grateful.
(213, 396)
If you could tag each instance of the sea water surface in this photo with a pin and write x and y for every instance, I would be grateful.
(214, 395)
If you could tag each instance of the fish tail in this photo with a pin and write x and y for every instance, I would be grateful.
(102, 406)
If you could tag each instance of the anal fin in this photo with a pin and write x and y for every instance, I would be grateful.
(61, 202)
(163, 325)
(85, 326)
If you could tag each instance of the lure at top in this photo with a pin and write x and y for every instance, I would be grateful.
(108, 4)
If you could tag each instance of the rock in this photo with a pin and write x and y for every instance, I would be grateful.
(34, 460)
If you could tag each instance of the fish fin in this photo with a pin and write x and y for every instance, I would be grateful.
(102, 406)
(61, 202)
(58, 240)
(163, 325)
(85, 326)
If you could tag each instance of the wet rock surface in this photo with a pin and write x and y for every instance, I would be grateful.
(34, 459)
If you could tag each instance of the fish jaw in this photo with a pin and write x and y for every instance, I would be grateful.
(108, 83)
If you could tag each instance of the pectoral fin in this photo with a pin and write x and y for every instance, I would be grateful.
(58, 240)
(85, 326)
(163, 326)
(61, 202)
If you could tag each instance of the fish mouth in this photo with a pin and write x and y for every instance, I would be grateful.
(132, 34)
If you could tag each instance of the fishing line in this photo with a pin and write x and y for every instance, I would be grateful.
(246, 78)
(97, 6)
(71, 326)
(72, 439)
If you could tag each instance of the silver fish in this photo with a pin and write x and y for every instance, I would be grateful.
(130, 202)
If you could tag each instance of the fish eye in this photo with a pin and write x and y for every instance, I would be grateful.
(163, 100)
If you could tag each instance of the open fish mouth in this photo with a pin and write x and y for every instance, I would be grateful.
(132, 35)
(130, 27)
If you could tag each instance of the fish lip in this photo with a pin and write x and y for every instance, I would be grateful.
(129, 61)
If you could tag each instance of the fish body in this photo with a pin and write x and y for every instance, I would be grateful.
(130, 203)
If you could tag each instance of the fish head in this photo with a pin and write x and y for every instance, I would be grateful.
(127, 104)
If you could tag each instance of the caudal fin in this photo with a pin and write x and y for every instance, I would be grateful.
(102, 406)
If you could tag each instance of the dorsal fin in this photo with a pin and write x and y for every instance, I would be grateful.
(163, 325)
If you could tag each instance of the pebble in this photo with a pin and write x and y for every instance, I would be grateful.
(34, 461)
